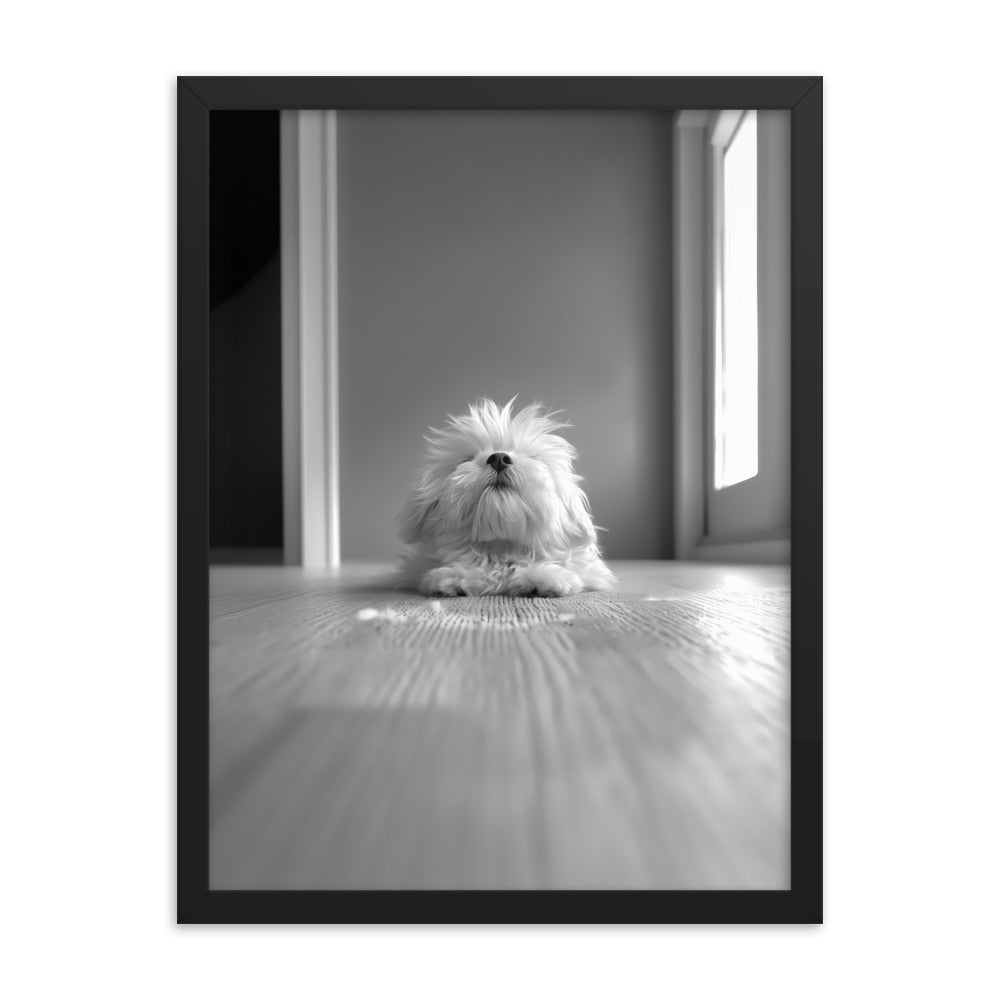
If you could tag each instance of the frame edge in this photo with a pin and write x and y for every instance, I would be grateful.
(807, 498)
(192, 499)
(196, 97)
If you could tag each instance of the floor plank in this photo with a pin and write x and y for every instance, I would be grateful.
(634, 739)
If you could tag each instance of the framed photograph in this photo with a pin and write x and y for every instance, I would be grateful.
(499, 500)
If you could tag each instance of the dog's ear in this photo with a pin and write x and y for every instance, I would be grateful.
(579, 525)
(418, 507)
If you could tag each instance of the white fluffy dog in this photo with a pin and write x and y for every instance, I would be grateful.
(497, 510)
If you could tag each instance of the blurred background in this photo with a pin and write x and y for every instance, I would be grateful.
(373, 272)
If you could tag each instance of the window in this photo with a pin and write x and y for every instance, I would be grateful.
(736, 447)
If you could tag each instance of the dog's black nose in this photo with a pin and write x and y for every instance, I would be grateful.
(499, 460)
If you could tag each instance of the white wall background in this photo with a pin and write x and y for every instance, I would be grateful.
(86, 404)
(512, 253)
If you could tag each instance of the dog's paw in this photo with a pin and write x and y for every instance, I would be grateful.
(596, 576)
(453, 581)
(546, 580)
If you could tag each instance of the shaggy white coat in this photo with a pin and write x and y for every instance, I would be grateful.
(525, 531)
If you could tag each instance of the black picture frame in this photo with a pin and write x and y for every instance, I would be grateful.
(197, 97)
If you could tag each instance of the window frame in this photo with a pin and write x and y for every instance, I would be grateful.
(748, 521)
(727, 127)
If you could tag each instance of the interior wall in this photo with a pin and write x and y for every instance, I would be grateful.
(502, 253)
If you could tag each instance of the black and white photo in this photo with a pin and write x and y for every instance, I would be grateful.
(500, 520)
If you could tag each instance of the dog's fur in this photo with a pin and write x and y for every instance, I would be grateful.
(524, 530)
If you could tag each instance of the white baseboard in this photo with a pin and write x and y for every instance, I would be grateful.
(759, 550)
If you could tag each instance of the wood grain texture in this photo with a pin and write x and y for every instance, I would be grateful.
(632, 739)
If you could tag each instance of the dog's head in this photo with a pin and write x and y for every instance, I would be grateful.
(499, 480)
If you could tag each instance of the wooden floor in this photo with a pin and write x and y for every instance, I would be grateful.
(366, 738)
